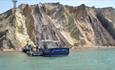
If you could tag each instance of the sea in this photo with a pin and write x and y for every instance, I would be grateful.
(86, 59)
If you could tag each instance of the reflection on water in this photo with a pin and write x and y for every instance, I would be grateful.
(94, 59)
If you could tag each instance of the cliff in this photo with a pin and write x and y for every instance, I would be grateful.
(72, 26)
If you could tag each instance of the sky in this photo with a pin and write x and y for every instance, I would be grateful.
(7, 4)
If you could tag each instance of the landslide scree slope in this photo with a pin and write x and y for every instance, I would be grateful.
(72, 25)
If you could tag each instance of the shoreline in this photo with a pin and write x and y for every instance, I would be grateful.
(95, 47)
(73, 48)
(11, 50)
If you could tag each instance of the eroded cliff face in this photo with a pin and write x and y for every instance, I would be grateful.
(24, 26)
(7, 30)
(71, 26)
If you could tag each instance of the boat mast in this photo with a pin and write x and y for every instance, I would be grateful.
(43, 30)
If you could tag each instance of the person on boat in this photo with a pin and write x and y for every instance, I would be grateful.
(37, 49)
(30, 47)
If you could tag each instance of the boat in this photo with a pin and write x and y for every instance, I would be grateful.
(51, 52)
(44, 50)
(46, 47)
(48, 52)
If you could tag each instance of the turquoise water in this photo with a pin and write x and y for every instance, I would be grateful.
(92, 59)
